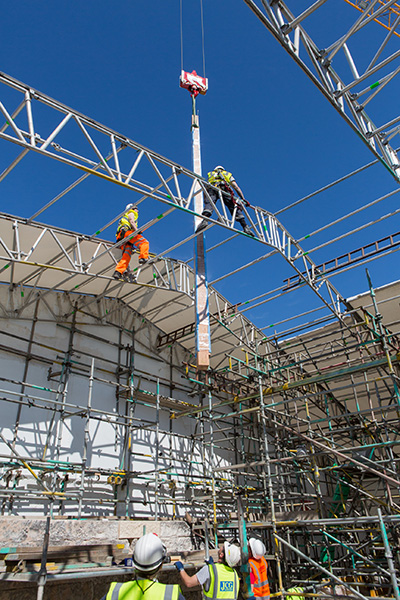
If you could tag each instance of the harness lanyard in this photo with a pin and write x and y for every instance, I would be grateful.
(226, 187)
(228, 190)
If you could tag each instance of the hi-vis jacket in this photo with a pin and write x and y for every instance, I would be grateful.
(259, 570)
(152, 591)
(224, 583)
(220, 178)
(296, 591)
(124, 222)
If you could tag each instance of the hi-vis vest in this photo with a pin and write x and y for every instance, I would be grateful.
(152, 591)
(297, 593)
(260, 585)
(220, 178)
(124, 221)
(224, 583)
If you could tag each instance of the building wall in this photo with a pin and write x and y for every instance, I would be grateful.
(66, 431)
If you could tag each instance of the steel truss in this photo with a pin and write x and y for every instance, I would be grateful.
(96, 150)
(383, 245)
(348, 85)
(312, 421)
(30, 251)
(29, 244)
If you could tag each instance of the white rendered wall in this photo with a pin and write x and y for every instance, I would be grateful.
(51, 443)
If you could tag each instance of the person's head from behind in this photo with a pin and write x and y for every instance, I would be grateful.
(257, 548)
(229, 554)
(148, 555)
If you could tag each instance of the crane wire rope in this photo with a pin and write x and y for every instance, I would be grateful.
(181, 30)
(202, 34)
(202, 37)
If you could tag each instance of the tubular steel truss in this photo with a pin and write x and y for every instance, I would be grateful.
(96, 150)
(38, 256)
(311, 421)
(348, 84)
(387, 19)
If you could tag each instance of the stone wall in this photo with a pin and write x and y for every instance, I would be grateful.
(84, 589)
(29, 532)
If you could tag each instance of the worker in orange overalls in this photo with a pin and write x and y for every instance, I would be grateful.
(127, 225)
(258, 569)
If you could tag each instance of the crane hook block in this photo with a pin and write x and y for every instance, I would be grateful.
(193, 83)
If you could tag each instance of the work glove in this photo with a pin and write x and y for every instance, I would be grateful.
(246, 202)
(209, 561)
(179, 565)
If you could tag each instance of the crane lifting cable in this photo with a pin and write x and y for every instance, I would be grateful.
(198, 85)
(193, 82)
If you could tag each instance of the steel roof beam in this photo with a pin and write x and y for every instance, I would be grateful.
(317, 63)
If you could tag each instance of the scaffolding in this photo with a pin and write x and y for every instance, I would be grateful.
(303, 431)
(291, 434)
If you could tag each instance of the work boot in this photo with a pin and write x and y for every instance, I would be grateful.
(201, 226)
(142, 261)
(119, 276)
(203, 223)
(248, 231)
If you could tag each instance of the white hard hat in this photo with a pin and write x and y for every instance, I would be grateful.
(257, 547)
(219, 168)
(149, 553)
(129, 206)
(232, 554)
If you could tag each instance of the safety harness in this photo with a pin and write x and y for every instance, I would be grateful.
(217, 178)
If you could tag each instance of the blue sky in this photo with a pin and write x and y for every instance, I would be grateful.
(119, 63)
